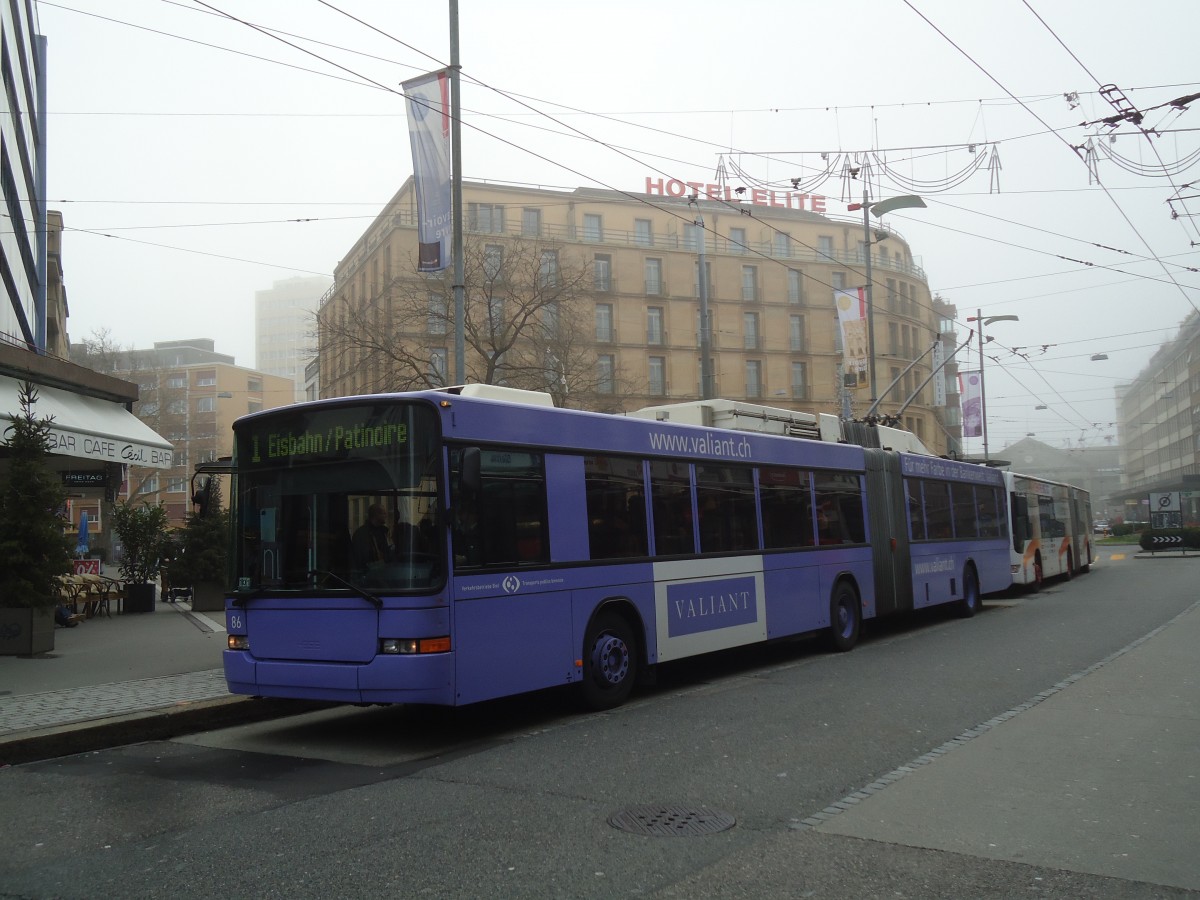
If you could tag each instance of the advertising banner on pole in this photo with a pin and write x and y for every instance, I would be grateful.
(428, 100)
(852, 320)
(970, 391)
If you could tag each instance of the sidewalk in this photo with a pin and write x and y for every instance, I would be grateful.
(129, 677)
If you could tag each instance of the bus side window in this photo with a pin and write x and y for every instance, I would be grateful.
(671, 497)
(916, 509)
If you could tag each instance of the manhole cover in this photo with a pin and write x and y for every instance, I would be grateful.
(680, 821)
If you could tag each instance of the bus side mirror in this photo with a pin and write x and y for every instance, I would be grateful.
(469, 478)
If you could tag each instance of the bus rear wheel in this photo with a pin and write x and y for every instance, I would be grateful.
(970, 602)
(610, 662)
(845, 618)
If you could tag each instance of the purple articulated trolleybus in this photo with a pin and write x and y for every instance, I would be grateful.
(448, 547)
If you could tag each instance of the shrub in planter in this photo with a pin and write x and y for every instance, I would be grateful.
(34, 548)
(201, 562)
(142, 531)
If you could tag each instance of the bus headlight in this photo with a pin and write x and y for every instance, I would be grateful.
(239, 642)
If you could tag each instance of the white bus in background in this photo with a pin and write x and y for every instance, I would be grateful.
(1051, 528)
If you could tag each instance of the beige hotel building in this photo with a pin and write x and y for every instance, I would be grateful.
(774, 260)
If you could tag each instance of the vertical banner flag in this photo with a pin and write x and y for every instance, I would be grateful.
(852, 320)
(970, 391)
(428, 101)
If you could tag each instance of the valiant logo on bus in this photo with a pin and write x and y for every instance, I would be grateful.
(697, 606)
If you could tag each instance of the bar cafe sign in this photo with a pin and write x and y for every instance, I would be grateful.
(673, 187)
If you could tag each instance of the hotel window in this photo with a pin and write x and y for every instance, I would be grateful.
(604, 374)
(643, 232)
(796, 324)
(754, 385)
(488, 217)
(602, 272)
(749, 283)
(254, 385)
(439, 314)
(253, 406)
(839, 281)
(548, 269)
(783, 244)
(604, 322)
(654, 325)
(177, 381)
(799, 381)
(891, 294)
(179, 407)
(893, 338)
(737, 240)
(439, 364)
(750, 331)
(795, 282)
(531, 222)
(493, 261)
(550, 318)
(824, 247)
(206, 404)
(149, 408)
(654, 283)
(658, 376)
(495, 311)
(593, 227)
(206, 379)
(692, 237)
(150, 485)
(176, 484)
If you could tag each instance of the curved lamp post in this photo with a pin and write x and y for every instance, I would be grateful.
(979, 317)
(879, 209)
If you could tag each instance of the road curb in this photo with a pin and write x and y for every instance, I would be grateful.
(152, 725)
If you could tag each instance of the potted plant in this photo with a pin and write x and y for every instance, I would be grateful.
(142, 531)
(201, 560)
(34, 548)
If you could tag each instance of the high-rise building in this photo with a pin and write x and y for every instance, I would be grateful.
(625, 268)
(93, 434)
(285, 337)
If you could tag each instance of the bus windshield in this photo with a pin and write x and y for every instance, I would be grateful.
(335, 496)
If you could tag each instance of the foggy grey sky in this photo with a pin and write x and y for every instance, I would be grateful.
(197, 160)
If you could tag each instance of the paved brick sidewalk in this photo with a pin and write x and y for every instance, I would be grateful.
(49, 709)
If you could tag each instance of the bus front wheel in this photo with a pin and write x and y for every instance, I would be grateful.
(845, 618)
(610, 662)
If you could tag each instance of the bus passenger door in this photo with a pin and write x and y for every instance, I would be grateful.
(888, 518)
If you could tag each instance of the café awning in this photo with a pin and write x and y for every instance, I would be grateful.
(89, 427)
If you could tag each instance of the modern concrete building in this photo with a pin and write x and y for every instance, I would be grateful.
(1159, 427)
(774, 261)
(285, 336)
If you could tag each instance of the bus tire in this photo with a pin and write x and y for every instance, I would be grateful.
(1038, 574)
(971, 601)
(845, 617)
(610, 662)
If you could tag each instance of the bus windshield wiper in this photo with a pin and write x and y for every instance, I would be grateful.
(365, 594)
(240, 597)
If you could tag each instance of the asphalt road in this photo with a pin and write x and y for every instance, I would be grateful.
(514, 798)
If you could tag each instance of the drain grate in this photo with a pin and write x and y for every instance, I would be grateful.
(673, 821)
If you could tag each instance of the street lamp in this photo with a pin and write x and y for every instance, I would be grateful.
(978, 317)
(880, 209)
